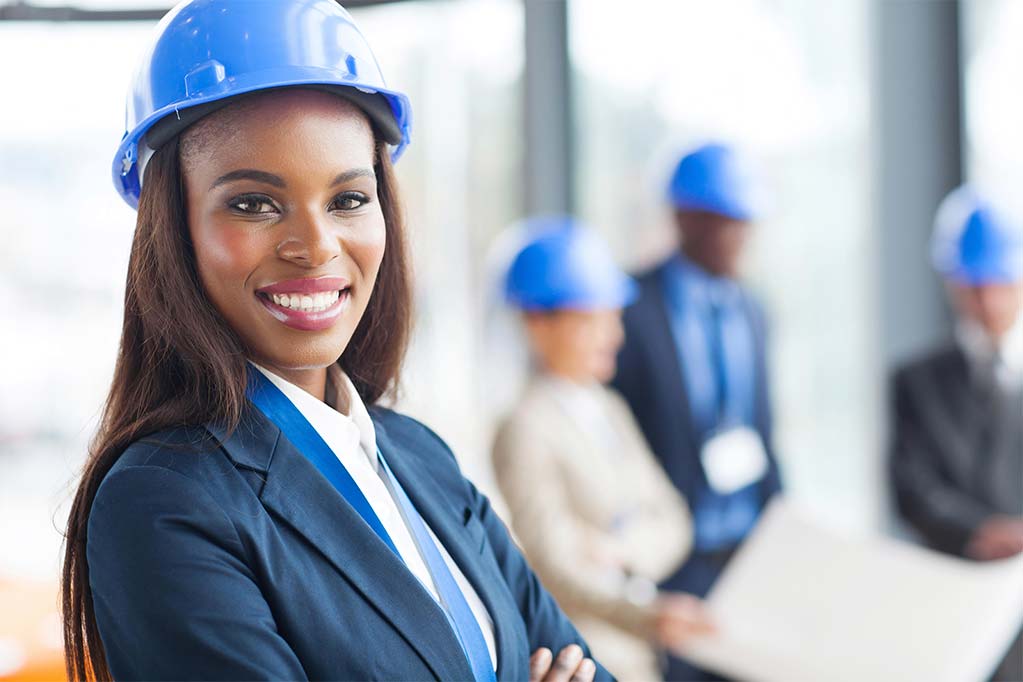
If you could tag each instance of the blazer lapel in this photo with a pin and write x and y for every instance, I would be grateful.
(662, 343)
(448, 524)
(299, 494)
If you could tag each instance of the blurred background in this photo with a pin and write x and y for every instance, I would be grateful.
(862, 114)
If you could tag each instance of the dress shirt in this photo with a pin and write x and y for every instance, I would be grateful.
(1003, 359)
(352, 439)
(704, 310)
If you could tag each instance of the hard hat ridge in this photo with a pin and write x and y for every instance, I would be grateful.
(563, 264)
(716, 178)
(974, 241)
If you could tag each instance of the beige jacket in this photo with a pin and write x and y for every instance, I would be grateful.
(595, 513)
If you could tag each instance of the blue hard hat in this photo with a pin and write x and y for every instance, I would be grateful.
(974, 242)
(207, 51)
(717, 179)
(563, 264)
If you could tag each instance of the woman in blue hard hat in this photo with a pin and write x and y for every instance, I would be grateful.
(247, 511)
(956, 456)
(573, 465)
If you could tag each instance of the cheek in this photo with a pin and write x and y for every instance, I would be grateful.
(228, 255)
(366, 246)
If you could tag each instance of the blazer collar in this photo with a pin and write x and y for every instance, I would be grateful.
(661, 340)
(252, 443)
(300, 495)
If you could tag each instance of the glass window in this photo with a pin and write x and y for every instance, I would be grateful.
(788, 80)
(66, 236)
(461, 63)
(993, 102)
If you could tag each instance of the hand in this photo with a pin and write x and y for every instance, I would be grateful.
(999, 537)
(569, 666)
(680, 617)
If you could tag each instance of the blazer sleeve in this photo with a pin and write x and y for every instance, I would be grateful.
(173, 595)
(546, 624)
(943, 514)
(556, 540)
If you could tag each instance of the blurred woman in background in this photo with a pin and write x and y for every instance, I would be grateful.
(247, 512)
(573, 465)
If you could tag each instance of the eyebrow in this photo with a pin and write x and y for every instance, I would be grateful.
(347, 176)
(277, 181)
(249, 174)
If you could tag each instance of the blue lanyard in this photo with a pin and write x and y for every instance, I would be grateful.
(459, 613)
(297, 429)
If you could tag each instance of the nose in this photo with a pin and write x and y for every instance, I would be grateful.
(311, 240)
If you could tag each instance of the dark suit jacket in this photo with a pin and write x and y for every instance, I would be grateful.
(956, 453)
(650, 377)
(241, 561)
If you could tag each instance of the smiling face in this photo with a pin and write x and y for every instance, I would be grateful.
(287, 227)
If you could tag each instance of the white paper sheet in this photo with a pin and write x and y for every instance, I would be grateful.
(802, 603)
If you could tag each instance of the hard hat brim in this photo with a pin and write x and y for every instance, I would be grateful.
(389, 110)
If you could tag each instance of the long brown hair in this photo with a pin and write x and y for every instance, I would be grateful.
(179, 363)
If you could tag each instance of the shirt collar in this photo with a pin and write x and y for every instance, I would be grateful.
(357, 411)
(694, 282)
(319, 414)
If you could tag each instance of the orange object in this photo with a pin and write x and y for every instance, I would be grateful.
(31, 649)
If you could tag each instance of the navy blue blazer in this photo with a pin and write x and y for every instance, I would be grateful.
(237, 560)
(650, 378)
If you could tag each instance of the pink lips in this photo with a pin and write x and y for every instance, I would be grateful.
(306, 320)
(306, 286)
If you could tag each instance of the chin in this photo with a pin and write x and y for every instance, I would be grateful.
(605, 373)
(303, 350)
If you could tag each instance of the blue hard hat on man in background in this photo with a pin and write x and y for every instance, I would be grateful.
(974, 242)
(716, 178)
(564, 265)
(209, 51)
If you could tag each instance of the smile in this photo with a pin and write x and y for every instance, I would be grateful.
(315, 303)
(307, 304)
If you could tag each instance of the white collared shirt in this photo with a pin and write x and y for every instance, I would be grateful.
(352, 438)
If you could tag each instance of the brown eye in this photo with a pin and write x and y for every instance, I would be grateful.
(253, 204)
(348, 201)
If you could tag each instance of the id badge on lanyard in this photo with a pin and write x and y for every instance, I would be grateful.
(733, 457)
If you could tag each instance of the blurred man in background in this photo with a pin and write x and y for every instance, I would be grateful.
(956, 458)
(693, 368)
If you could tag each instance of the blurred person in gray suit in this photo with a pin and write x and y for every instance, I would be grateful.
(597, 516)
(956, 456)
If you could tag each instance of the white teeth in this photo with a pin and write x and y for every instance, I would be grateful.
(306, 303)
